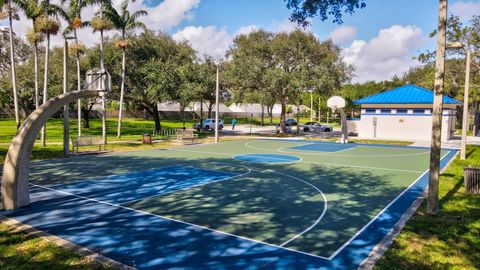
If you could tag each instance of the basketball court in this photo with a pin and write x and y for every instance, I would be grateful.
(254, 204)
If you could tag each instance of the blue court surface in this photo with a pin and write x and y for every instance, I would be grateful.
(258, 204)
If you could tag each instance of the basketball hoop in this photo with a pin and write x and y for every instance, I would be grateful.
(335, 103)
(339, 103)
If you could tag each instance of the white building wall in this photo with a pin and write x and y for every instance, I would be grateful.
(402, 127)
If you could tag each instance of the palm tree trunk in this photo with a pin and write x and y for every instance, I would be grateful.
(12, 62)
(104, 110)
(79, 87)
(122, 90)
(35, 74)
(102, 65)
(45, 86)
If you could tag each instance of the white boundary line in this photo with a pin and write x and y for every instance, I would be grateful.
(320, 153)
(267, 162)
(284, 149)
(179, 221)
(379, 214)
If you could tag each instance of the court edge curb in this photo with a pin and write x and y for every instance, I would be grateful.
(379, 250)
(78, 250)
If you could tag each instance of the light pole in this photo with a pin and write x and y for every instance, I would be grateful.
(217, 90)
(311, 103)
(463, 143)
(319, 108)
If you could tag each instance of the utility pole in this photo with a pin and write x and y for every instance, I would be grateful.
(311, 104)
(217, 105)
(463, 146)
(319, 108)
(432, 199)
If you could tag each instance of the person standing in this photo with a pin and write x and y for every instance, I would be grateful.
(234, 122)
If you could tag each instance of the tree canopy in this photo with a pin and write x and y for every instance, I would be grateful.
(303, 10)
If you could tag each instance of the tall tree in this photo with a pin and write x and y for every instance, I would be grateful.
(295, 62)
(101, 24)
(49, 26)
(434, 173)
(249, 82)
(33, 9)
(73, 16)
(123, 21)
(156, 71)
(11, 14)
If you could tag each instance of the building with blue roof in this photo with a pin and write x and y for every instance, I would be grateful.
(403, 113)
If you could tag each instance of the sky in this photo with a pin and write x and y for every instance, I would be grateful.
(380, 40)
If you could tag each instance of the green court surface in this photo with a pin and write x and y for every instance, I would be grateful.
(301, 196)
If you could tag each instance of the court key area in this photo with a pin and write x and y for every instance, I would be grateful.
(255, 204)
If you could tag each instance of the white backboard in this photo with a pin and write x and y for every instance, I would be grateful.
(336, 102)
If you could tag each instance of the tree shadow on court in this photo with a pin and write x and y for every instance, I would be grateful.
(263, 205)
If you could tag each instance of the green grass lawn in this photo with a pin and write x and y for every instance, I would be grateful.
(132, 129)
(448, 240)
(20, 251)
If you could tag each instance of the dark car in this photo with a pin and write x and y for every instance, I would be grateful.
(291, 122)
(314, 126)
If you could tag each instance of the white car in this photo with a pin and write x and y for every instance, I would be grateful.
(209, 124)
(314, 126)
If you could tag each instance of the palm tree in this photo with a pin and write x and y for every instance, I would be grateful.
(32, 10)
(101, 24)
(48, 26)
(12, 15)
(123, 21)
(74, 20)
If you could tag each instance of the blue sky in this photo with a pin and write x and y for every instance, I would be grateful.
(379, 40)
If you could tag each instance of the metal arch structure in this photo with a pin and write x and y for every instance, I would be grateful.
(15, 183)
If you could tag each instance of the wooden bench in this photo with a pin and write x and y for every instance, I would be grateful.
(184, 136)
(87, 141)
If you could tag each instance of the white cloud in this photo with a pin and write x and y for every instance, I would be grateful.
(205, 40)
(169, 13)
(465, 10)
(343, 34)
(287, 26)
(387, 54)
(245, 30)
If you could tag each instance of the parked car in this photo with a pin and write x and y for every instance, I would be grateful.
(288, 128)
(208, 124)
(314, 126)
(291, 122)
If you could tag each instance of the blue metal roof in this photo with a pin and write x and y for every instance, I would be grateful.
(407, 94)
